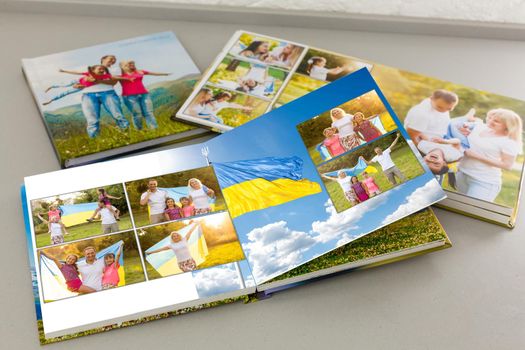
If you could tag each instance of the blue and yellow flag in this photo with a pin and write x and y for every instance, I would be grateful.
(359, 168)
(75, 214)
(257, 184)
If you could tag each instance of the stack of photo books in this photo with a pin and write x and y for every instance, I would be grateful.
(339, 177)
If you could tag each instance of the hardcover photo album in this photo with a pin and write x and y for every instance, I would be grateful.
(470, 139)
(111, 99)
(292, 196)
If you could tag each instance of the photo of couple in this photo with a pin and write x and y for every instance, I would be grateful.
(112, 95)
(369, 170)
(89, 266)
(346, 127)
(188, 245)
(175, 196)
(470, 151)
(78, 215)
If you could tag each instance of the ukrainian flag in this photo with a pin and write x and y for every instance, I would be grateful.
(360, 167)
(53, 284)
(165, 262)
(75, 214)
(257, 184)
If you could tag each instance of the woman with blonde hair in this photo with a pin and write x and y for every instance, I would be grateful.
(343, 122)
(200, 195)
(136, 96)
(494, 145)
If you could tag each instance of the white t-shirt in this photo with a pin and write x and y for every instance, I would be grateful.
(156, 201)
(107, 217)
(181, 250)
(490, 147)
(344, 125)
(384, 160)
(425, 119)
(317, 72)
(345, 183)
(450, 152)
(101, 87)
(92, 273)
(199, 198)
(56, 229)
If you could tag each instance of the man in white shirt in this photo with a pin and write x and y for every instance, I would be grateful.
(92, 271)
(388, 166)
(109, 223)
(155, 199)
(431, 117)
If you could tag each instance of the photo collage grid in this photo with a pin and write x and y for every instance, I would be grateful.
(121, 234)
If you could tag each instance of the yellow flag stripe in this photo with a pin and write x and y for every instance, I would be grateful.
(76, 218)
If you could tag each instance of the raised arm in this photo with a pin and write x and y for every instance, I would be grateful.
(112, 197)
(188, 235)
(366, 161)
(119, 253)
(395, 141)
(156, 74)
(335, 70)
(75, 72)
(41, 218)
(55, 260)
(158, 250)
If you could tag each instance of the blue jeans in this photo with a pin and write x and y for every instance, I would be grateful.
(141, 107)
(64, 94)
(477, 189)
(91, 103)
(453, 131)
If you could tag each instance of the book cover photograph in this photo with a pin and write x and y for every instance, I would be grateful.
(109, 99)
(470, 139)
(205, 224)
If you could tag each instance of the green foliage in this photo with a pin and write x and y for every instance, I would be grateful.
(401, 154)
(298, 86)
(246, 39)
(67, 125)
(410, 232)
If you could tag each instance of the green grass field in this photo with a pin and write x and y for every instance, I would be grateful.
(412, 231)
(405, 160)
(133, 269)
(299, 85)
(220, 254)
(89, 229)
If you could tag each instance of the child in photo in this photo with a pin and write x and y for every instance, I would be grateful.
(284, 55)
(372, 188)
(110, 278)
(316, 68)
(54, 214)
(172, 211)
(360, 190)
(258, 49)
(57, 230)
(345, 182)
(188, 209)
(104, 197)
(332, 142)
(70, 272)
(364, 127)
(219, 102)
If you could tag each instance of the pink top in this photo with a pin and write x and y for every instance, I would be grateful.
(53, 214)
(370, 184)
(69, 272)
(173, 213)
(111, 274)
(135, 87)
(84, 82)
(334, 146)
(188, 210)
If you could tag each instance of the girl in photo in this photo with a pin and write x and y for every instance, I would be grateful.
(343, 122)
(345, 182)
(54, 215)
(70, 272)
(370, 184)
(494, 145)
(180, 248)
(316, 68)
(332, 142)
(284, 55)
(188, 209)
(172, 211)
(257, 49)
(360, 190)
(110, 278)
(136, 96)
(198, 105)
(364, 127)
(104, 197)
(218, 103)
(56, 228)
(200, 196)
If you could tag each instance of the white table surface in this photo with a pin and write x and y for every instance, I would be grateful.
(471, 296)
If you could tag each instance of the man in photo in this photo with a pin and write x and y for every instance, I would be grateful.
(93, 270)
(155, 199)
(109, 223)
(388, 166)
(431, 117)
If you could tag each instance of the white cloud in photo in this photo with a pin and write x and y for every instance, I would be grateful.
(216, 280)
(418, 199)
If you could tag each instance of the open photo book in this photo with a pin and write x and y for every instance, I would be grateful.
(470, 139)
(250, 212)
(111, 99)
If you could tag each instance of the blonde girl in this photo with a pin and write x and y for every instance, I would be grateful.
(317, 70)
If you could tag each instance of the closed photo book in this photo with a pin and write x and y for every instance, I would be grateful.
(237, 218)
(111, 99)
(470, 139)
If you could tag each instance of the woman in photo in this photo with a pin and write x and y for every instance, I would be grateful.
(345, 182)
(199, 104)
(135, 95)
(180, 248)
(200, 196)
(343, 122)
(257, 49)
(317, 68)
(494, 145)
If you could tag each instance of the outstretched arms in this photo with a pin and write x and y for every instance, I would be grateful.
(158, 250)
(394, 142)
(188, 235)
(329, 177)
(55, 260)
